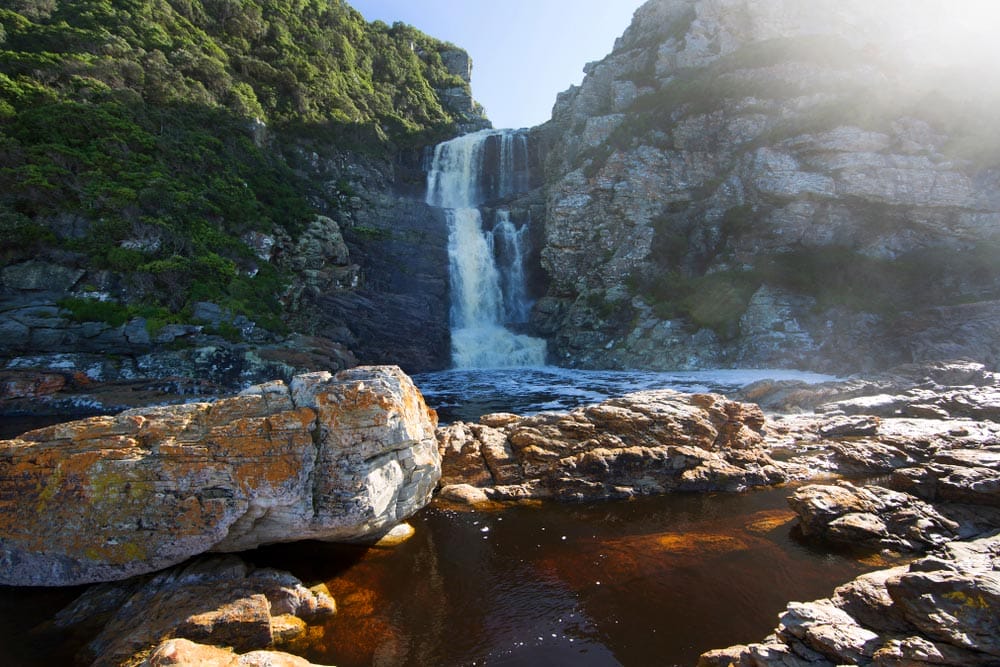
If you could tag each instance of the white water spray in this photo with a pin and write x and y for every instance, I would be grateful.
(484, 296)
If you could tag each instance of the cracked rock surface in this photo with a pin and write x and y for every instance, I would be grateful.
(331, 457)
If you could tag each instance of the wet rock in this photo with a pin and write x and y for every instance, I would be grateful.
(648, 442)
(870, 517)
(220, 601)
(339, 458)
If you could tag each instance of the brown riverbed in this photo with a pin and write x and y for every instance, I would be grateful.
(650, 581)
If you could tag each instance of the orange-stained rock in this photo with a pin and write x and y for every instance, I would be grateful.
(30, 385)
(647, 442)
(341, 458)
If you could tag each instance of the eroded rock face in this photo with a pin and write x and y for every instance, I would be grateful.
(720, 135)
(647, 442)
(340, 458)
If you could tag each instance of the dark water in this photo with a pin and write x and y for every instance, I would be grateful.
(650, 581)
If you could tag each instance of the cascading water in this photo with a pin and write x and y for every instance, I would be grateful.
(509, 245)
(485, 293)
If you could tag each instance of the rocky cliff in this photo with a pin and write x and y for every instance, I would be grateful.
(775, 183)
(217, 196)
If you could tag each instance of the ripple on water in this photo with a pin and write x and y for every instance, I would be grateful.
(649, 581)
(465, 394)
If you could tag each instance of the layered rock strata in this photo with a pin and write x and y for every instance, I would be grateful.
(775, 183)
(647, 442)
(339, 458)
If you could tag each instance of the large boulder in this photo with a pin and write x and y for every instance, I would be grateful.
(339, 458)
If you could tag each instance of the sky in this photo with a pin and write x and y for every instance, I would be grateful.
(523, 52)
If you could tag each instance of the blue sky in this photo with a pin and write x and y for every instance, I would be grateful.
(523, 51)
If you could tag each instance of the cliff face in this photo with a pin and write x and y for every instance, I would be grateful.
(774, 183)
(228, 195)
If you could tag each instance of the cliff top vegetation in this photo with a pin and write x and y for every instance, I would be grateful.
(131, 133)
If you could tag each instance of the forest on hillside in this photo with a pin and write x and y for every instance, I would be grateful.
(144, 138)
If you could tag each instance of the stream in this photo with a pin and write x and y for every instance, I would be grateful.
(654, 580)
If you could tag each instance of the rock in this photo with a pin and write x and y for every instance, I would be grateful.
(921, 652)
(961, 607)
(712, 144)
(846, 427)
(958, 476)
(828, 630)
(870, 517)
(464, 494)
(185, 653)
(868, 602)
(939, 610)
(219, 600)
(648, 442)
(30, 385)
(339, 458)
(40, 276)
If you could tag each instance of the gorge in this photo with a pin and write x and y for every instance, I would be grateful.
(233, 234)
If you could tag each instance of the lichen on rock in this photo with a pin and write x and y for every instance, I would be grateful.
(332, 457)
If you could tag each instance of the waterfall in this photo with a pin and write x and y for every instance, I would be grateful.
(486, 268)
(510, 243)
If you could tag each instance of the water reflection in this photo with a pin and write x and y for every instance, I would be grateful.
(652, 581)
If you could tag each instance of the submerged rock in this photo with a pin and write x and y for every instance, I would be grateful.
(339, 458)
(647, 442)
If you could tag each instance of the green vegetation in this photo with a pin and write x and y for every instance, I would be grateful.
(139, 118)
(836, 277)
